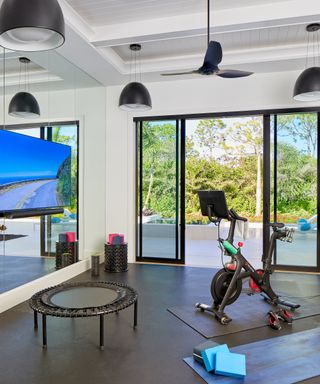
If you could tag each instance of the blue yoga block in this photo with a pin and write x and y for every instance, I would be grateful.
(209, 356)
(230, 364)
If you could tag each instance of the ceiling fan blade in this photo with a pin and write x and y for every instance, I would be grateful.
(232, 73)
(180, 73)
(213, 55)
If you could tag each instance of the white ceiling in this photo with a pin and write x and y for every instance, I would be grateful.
(258, 35)
(233, 41)
(101, 12)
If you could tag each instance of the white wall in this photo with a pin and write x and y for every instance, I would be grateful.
(201, 95)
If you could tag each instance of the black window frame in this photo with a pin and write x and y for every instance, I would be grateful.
(181, 119)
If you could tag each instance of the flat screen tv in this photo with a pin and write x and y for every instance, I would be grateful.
(35, 174)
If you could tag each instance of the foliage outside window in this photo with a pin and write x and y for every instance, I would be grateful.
(226, 154)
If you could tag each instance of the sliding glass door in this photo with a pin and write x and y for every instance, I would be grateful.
(226, 154)
(294, 198)
(159, 185)
(267, 164)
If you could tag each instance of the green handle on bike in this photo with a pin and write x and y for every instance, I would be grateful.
(229, 247)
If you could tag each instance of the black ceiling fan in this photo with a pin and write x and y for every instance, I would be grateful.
(212, 58)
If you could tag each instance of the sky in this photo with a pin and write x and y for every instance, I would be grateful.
(191, 126)
(25, 156)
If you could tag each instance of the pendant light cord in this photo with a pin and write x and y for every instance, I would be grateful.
(308, 43)
(208, 21)
(20, 70)
(27, 77)
(135, 66)
(313, 48)
(48, 96)
(139, 63)
(131, 61)
(318, 50)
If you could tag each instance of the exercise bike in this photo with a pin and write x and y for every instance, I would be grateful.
(226, 285)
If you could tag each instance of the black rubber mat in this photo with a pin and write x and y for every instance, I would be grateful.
(248, 312)
(287, 359)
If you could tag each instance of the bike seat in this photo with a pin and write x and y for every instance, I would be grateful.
(276, 225)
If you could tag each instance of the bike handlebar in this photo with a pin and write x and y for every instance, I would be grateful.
(234, 215)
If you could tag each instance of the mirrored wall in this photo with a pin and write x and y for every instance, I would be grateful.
(40, 174)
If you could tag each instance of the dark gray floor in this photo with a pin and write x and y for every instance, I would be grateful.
(151, 354)
(18, 270)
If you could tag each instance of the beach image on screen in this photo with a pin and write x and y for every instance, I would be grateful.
(34, 173)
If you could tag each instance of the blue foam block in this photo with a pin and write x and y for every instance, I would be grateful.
(209, 356)
(230, 364)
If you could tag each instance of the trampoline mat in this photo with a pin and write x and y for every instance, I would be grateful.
(6, 237)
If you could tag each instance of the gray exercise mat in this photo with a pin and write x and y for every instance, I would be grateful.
(248, 312)
(286, 359)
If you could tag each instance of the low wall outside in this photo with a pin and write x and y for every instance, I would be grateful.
(193, 232)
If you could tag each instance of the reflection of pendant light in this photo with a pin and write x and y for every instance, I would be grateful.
(135, 96)
(31, 25)
(24, 104)
(307, 87)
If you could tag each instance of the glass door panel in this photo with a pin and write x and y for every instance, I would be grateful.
(224, 154)
(54, 225)
(158, 169)
(295, 186)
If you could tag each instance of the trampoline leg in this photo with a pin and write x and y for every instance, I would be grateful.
(35, 319)
(102, 332)
(44, 331)
(135, 315)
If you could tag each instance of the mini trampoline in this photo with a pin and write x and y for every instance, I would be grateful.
(83, 299)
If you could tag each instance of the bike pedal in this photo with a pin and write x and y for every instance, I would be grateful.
(274, 321)
(285, 316)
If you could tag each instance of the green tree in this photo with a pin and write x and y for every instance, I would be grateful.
(296, 181)
(209, 134)
(244, 139)
(300, 127)
(159, 168)
(59, 137)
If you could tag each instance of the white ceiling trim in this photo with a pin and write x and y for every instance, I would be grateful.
(75, 21)
(230, 58)
(34, 78)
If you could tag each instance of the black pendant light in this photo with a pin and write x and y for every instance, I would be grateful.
(31, 25)
(135, 96)
(307, 87)
(24, 104)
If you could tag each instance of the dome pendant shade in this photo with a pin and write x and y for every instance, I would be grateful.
(307, 87)
(31, 25)
(23, 104)
(135, 96)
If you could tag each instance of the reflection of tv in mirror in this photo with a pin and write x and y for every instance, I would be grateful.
(34, 173)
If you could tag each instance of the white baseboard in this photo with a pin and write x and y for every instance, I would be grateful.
(24, 292)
